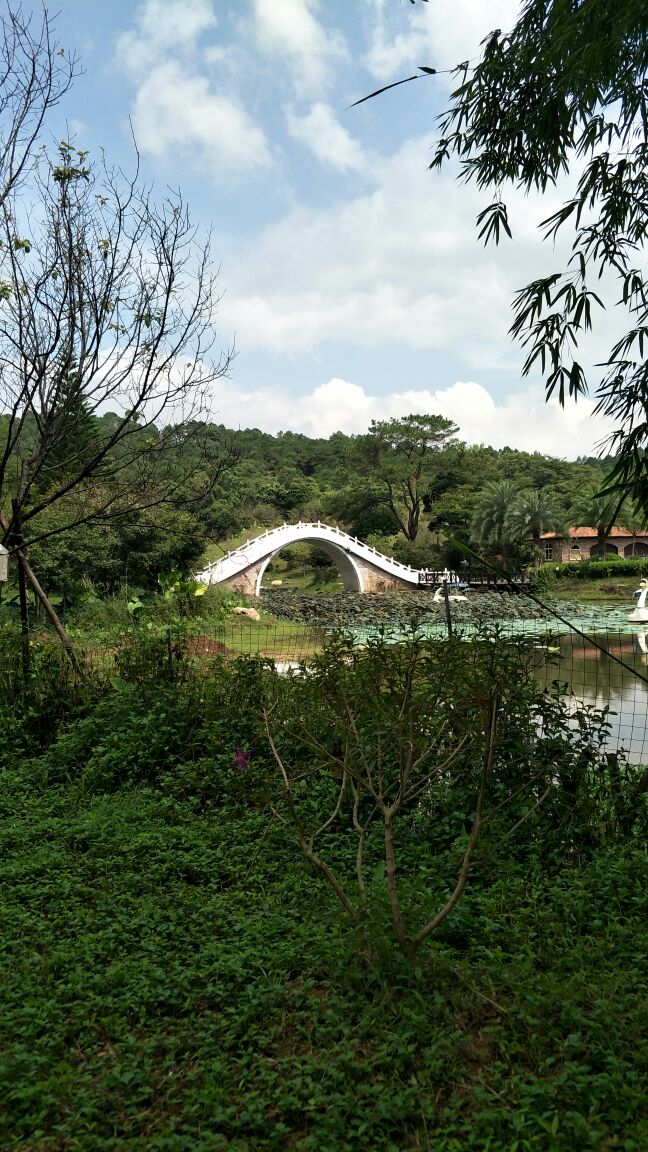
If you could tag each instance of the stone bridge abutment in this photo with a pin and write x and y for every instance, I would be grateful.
(360, 576)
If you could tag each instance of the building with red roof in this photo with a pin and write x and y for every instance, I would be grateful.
(582, 544)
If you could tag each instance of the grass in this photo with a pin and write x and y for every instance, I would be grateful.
(278, 640)
(274, 639)
(176, 979)
(615, 589)
(304, 578)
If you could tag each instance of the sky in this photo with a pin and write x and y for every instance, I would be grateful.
(353, 282)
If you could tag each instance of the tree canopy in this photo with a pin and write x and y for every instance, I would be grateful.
(402, 460)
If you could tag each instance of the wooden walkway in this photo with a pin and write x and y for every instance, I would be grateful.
(480, 579)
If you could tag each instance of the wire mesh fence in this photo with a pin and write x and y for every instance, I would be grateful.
(606, 669)
(593, 657)
(166, 649)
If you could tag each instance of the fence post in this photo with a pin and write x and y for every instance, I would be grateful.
(447, 609)
(169, 637)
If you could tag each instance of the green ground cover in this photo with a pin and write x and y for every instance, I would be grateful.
(607, 591)
(176, 976)
(175, 980)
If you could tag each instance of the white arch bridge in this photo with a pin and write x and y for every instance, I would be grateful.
(361, 567)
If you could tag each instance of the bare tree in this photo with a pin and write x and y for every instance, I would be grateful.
(107, 306)
(35, 72)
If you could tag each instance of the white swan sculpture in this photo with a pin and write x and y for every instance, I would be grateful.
(641, 611)
(439, 598)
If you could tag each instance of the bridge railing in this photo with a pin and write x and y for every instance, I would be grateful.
(486, 576)
(328, 529)
(427, 577)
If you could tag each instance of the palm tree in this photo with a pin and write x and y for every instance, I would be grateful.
(597, 511)
(533, 512)
(490, 518)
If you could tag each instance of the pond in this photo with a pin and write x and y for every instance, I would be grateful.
(605, 667)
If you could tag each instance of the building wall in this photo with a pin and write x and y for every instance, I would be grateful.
(562, 551)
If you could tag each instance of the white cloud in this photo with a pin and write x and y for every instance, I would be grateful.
(440, 35)
(178, 113)
(398, 264)
(522, 420)
(399, 267)
(327, 139)
(161, 27)
(289, 30)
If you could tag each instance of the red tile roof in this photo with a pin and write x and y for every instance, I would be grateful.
(591, 533)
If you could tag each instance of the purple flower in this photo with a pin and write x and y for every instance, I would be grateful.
(241, 760)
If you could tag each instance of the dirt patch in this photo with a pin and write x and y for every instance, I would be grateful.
(203, 647)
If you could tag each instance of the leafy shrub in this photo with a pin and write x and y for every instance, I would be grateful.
(451, 738)
(181, 735)
(151, 657)
(54, 692)
(596, 569)
(133, 734)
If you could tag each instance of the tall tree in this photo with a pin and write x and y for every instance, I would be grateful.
(401, 461)
(35, 73)
(533, 512)
(108, 300)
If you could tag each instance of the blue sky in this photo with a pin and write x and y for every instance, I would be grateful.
(353, 281)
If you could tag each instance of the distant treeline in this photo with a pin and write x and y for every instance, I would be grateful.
(410, 487)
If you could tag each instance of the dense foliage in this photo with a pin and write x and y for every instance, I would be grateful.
(260, 481)
(175, 975)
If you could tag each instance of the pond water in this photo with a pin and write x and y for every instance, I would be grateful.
(610, 669)
(605, 667)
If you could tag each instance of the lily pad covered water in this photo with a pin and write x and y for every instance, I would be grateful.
(400, 611)
(394, 609)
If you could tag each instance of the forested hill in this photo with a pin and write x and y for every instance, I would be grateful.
(407, 486)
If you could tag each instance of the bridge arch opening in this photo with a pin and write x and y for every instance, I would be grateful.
(349, 572)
